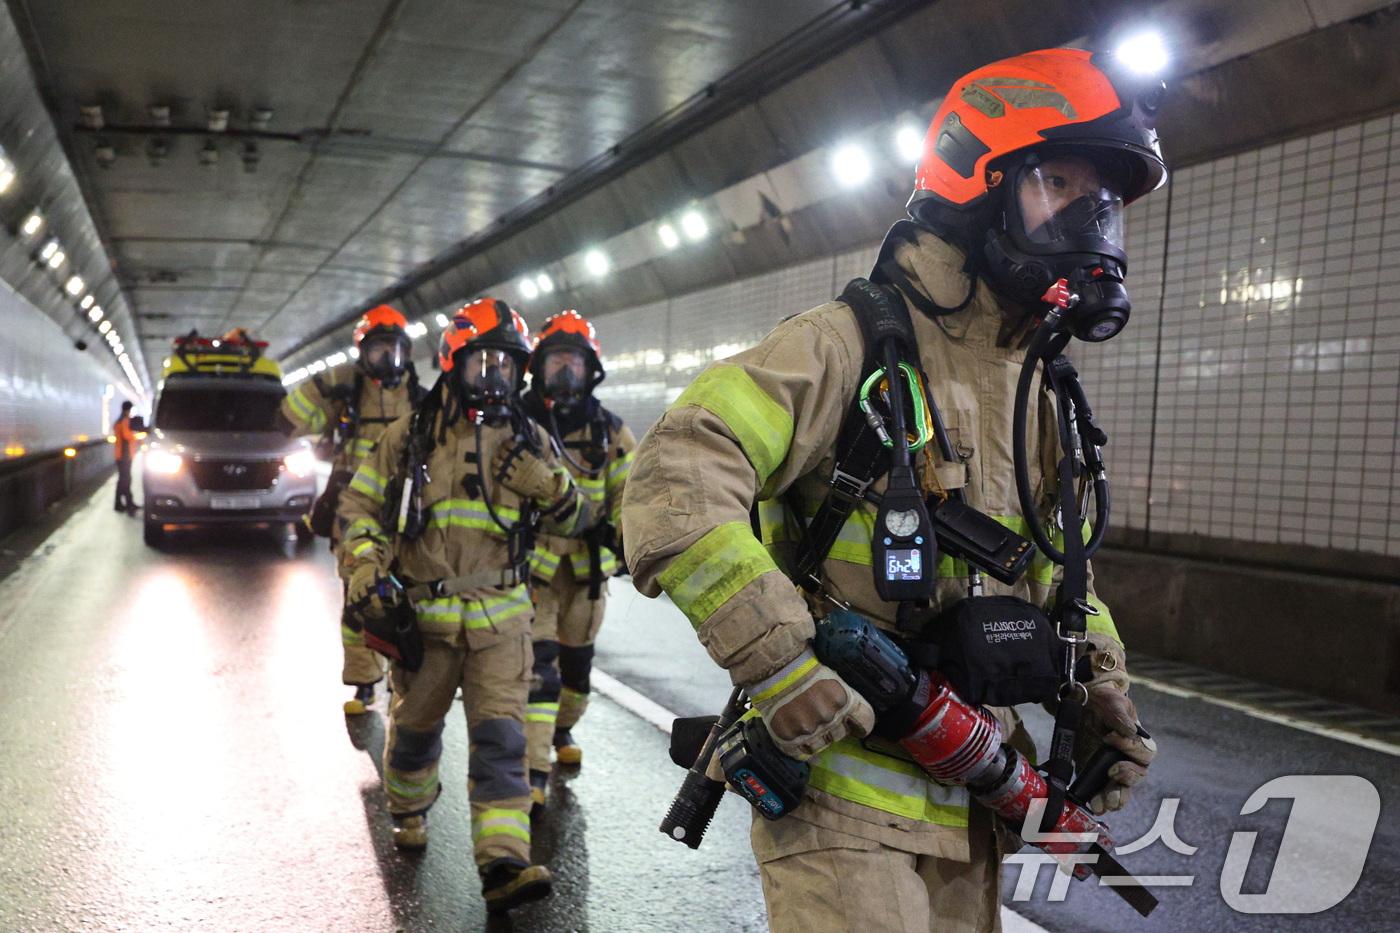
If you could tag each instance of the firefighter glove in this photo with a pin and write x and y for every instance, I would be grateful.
(1111, 718)
(362, 592)
(807, 706)
(524, 473)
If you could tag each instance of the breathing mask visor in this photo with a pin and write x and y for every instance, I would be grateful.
(1062, 218)
(384, 357)
(486, 381)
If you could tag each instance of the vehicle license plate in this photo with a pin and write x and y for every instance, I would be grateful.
(235, 502)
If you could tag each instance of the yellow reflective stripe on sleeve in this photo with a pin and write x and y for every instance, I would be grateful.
(713, 569)
(351, 638)
(369, 482)
(579, 561)
(362, 526)
(851, 772)
(620, 468)
(798, 668)
(501, 823)
(362, 447)
(361, 547)
(543, 564)
(760, 424)
(315, 419)
(542, 712)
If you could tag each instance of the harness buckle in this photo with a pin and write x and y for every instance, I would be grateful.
(847, 486)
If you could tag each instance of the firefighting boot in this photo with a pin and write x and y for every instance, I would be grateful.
(411, 832)
(566, 749)
(506, 883)
(539, 784)
(364, 696)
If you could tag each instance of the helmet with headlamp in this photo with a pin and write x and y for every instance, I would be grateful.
(483, 355)
(1028, 164)
(385, 349)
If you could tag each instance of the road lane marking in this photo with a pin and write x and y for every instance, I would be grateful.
(632, 701)
(659, 716)
(1304, 725)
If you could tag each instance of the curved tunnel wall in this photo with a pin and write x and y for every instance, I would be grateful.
(51, 395)
(1252, 407)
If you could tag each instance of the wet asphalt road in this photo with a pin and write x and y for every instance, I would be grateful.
(173, 756)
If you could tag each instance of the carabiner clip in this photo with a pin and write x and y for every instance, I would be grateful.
(877, 384)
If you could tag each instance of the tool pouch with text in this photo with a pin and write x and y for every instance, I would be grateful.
(998, 651)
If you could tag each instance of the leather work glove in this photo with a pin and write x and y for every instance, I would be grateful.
(524, 473)
(1111, 718)
(807, 706)
(362, 591)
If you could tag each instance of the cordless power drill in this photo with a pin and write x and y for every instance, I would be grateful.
(955, 742)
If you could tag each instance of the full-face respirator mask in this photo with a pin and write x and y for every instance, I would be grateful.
(485, 380)
(384, 358)
(1061, 217)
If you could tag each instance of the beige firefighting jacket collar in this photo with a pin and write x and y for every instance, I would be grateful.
(988, 319)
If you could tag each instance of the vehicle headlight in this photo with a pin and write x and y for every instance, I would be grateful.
(301, 463)
(163, 461)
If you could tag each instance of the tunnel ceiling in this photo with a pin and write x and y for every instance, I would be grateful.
(396, 129)
(423, 148)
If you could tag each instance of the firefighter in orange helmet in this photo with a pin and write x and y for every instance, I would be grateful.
(571, 573)
(447, 504)
(1025, 172)
(349, 407)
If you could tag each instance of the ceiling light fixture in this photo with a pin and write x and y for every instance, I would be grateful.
(669, 238)
(75, 286)
(218, 120)
(49, 249)
(442, 321)
(86, 302)
(910, 143)
(850, 165)
(694, 225)
(104, 327)
(92, 116)
(160, 114)
(7, 176)
(528, 290)
(57, 259)
(545, 283)
(597, 263)
(262, 119)
(96, 313)
(1144, 53)
(32, 223)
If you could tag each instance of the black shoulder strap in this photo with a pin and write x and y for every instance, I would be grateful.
(860, 456)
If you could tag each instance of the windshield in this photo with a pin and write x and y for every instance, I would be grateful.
(222, 408)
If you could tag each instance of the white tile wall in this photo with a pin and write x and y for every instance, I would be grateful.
(1255, 394)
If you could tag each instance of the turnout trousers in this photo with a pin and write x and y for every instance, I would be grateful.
(494, 681)
(566, 625)
(818, 880)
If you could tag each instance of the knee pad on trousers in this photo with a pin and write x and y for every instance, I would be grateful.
(496, 770)
(575, 664)
(544, 676)
(414, 751)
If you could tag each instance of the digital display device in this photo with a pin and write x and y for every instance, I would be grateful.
(904, 564)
